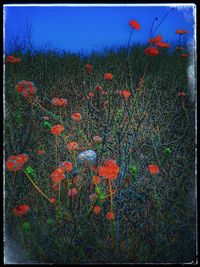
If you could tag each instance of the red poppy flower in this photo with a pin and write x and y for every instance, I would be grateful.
(181, 32)
(97, 139)
(41, 152)
(110, 169)
(15, 163)
(106, 104)
(67, 165)
(96, 180)
(184, 55)
(72, 192)
(151, 51)
(90, 94)
(57, 129)
(76, 116)
(13, 60)
(96, 210)
(125, 93)
(61, 102)
(72, 146)
(155, 40)
(110, 215)
(134, 24)
(26, 88)
(181, 94)
(104, 93)
(108, 76)
(163, 45)
(179, 48)
(153, 169)
(58, 175)
(98, 88)
(89, 68)
(19, 211)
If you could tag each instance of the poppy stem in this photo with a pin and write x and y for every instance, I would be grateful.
(111, 198)
(129, 42)
(37, 188)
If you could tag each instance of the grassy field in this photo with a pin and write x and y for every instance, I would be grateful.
(154, 214)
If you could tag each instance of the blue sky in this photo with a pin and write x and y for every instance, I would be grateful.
(85, 28)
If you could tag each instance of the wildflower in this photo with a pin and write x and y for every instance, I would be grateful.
(151, 51)
(58, 175)
(72, 146)
(108, 76)
(19, 211)
(106, 104)
(153, 169)
(110, 215)
(125, 93)
(181, 32)
(61, 102)
(96, 180)
(52, 200)
(90, 94)
(155, 40)
(134, 24)
(181, 94)
(184, 55)
(13, 60)
(179, 48)
(67, 165)
(41, 152)
(98, 88)
(72, 192)
(97, 139)
(110, 169)
(89, 68)
(57, 129)
(163, 45)
(104, 93)
(76, 116)
(15, 163)
(96, 210)
(26, 88)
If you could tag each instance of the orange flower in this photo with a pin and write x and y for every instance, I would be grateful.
(181, 32)
(184, 55)
(58, 175)
(134, 24)
(67, 166)
(15, 163)
(110, 215)
(96, 210)
(19, 211)
(110, 169)
(151, 51)
(125, 93)
(52, 200)
(76, 116)
(96, 180)
(57, 129)
(155, 40)
(163, 45)
(72, 192)
(153, 169)
(108, 76)
(41, 152)
(61, 102)
(89, 68)
(181, 94)
(72, 146)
